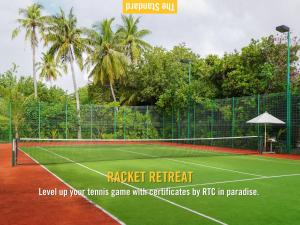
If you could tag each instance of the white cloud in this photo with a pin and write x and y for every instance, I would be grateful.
(17, 50)
(206, 26)
(196, 7)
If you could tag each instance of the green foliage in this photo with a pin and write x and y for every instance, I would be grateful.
(111, 121)
(84, 95)
(127, 70)
(65, 39)
(31, 21)
(24, 108)
(10, 94)
(105, 62)
(162, 79)
(131, 38)
(67, 46)
(51, 118)
(259, 68)
(137, 125)
(49, 69)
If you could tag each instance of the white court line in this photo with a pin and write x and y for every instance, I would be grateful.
(71, 187)
(197, 164)
(259, 177)
(136, 188)
(213, 167)
(229, 181)
(135, 140)
(274, 160)
(250, 157)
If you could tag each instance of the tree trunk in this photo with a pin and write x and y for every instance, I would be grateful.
(112, 92)
(34, 72)
(76, 95)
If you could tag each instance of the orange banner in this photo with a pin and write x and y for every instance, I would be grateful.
(150, 6)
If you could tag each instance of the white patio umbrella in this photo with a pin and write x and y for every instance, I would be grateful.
(265, 119)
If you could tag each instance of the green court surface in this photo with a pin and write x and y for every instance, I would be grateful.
(277, 182)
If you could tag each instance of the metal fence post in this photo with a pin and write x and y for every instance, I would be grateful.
(172, 124)
(147, 122)
(115, 123)
(194, 122)
(163, 125)
(189, 123)
(124, 123)
(39, 108)
(289, 98)
(91, 121)
(265, 103)
(66, 121)
(212, 123)
(10, 122)
(233, 121)
(258, 127)
(179, 124)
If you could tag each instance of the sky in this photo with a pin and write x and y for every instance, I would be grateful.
(205, 26)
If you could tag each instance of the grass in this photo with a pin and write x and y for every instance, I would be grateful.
(277, 203)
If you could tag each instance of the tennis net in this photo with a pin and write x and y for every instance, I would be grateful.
(56, 151)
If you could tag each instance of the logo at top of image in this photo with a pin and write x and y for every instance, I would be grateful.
(149, 6)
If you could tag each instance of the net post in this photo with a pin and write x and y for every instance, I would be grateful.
(91, 122)
(124, 123)
(115, 123)
(233, 121)
(39, 115)
(66, 120)
(10, 122)
(14, 152)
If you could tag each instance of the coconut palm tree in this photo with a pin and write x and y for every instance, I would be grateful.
(48, 68)
(106, 62)
(32, 22)
(131, 38)
(67, 46)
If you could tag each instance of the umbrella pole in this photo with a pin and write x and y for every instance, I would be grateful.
(265, 137)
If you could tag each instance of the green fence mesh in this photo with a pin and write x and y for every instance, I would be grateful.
(5, 121)
(211, 118)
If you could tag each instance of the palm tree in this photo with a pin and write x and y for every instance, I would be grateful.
(106, 60)
(67, 45)
(32, 22)
(49, 69)
(131, 38)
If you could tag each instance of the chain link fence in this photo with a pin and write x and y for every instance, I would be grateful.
(210, 119)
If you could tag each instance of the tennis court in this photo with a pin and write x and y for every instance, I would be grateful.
(85, 164)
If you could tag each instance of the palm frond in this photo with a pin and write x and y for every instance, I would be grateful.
(130, 38)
